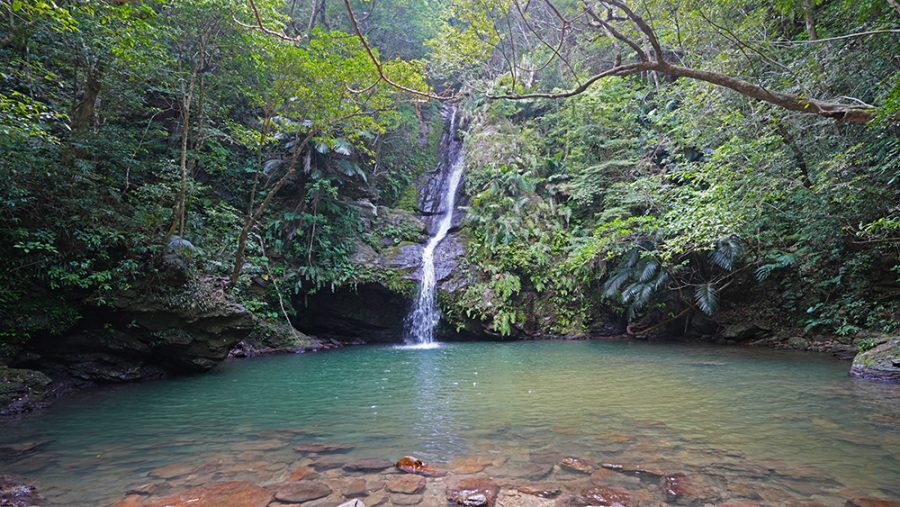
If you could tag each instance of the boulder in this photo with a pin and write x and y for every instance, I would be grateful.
(879, 363)
(153, 329)
(743, 331)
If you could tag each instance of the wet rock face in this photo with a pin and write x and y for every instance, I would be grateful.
(407, 259)
(879, 363)
(371, 311)
(148, 332)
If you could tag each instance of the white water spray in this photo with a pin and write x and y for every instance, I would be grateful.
(425, 315)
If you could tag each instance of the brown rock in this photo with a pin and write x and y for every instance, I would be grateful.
(740, 502)
(132, 500)
(303, 473)
(328, 463)
(368, 465)
(376, 500)
(406, 484)
(680, 486)
(217, 494)
(413, 465)
(540, 491)
(472, 464)
(872, 502)
(603, 475)
(406, 499)
(301, 491)
(356, 488)
(602, 497)
(579, 465)
(472, 491)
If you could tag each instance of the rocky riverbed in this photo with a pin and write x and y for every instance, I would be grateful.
(274, 469)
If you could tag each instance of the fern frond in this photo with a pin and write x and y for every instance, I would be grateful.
(707, 298)
(727, 253)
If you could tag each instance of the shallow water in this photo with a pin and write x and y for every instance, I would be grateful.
(765, 425)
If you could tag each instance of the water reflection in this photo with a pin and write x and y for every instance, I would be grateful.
(756, 420)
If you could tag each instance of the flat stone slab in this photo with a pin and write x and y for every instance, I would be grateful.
(406, 484)
(217, 494)
(302, 491)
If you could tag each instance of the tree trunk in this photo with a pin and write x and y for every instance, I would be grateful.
(791, 143)
(83, 111)
(255, 216)
(181, 200)
(809, 18)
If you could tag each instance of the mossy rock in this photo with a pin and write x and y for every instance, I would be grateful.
(879, 363)
(21, 390)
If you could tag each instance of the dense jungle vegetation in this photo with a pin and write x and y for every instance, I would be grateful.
(669, 161)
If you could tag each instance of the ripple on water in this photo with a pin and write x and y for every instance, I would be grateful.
(738, 424)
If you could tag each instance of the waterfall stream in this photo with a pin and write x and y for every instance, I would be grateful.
(425, 314)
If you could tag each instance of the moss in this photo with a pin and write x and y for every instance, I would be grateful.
(20, 389)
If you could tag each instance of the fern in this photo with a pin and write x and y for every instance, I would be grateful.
(728, 253)
(707, 298)
(780, 262)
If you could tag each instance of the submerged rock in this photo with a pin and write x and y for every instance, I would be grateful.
(217, 494)
(541, 491)
(17, 491)
(579, 465)
(472, 492)
(302, 491)
(682, 487)
(413, 465)
(600, 496)
(368, 465)
(879, 363)
(406, 484)
(872, 502)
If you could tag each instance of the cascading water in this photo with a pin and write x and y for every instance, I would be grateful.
(425, 315)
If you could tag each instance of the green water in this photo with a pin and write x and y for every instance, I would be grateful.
(753, 420)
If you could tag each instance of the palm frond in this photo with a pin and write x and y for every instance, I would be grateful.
(707, 298)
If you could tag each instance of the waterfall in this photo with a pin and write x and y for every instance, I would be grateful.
(425, 314)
